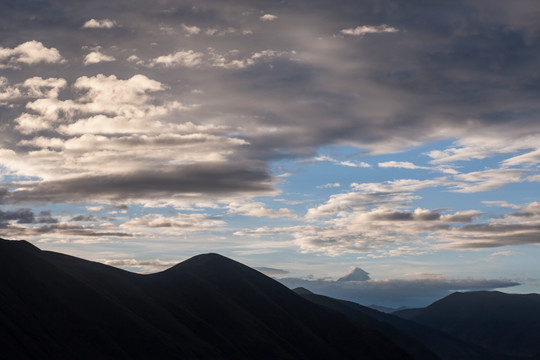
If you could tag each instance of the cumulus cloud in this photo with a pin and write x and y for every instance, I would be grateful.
(8, 92)
(29, 53)
(99, 24)
(366, 29)
(96, 57)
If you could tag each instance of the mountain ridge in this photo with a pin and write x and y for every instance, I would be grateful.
(54, 306)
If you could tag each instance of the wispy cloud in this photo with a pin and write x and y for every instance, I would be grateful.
(369, 29)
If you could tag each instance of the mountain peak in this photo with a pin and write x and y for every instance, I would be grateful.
(356, 274)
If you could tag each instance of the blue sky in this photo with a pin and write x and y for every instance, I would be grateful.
(306, 137)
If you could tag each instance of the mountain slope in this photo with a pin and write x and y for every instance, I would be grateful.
(419, 340)
(54, 306)
(506, 323)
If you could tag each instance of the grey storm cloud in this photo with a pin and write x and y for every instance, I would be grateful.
(440, 69)
(217, 179)
(25, 216)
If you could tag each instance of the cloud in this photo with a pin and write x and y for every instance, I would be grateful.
(502, 204)
(257, 209)
(347, 163)
(396, 292)
(191, 30)
(182, 183)
(268, 17)
(99, 24)
(96, 57)
(225, 61)
(187, 58)
(400, 164)
(364, 29)
(486, 180)
(183, 222)
(329, 186)
(271, 271)
(8, 93)
(61, 230)
(29, 53)
(37, 87)
(147, 266)
(25, 216)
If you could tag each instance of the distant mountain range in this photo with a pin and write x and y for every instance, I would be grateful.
(54, 306)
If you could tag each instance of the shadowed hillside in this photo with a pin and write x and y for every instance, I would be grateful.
(422, 341)
(54, 306)
(505, 323)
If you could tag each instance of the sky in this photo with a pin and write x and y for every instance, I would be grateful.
(303, 138)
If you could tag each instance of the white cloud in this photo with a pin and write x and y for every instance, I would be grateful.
(361, 164)
(401, 185)
(329, 186)
(191, 30)
(503, 204)
(363, 30)
(8, 92)
(348, 163)
(96, 57)
(99, 24)
(400, 164)
(39, 87)
(224, 60)
(268, 17)
(29, 53)
(183, 222)
(477, 147)
(486, 180)
(187, 58)
(529, 158)
(146, 266)
(257, 209)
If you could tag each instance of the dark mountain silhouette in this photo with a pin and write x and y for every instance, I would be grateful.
(505, 323)
(54, 306)
(421, 341)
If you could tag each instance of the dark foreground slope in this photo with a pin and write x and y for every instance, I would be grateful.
(421, 341)
(506, 323)
(54, 306)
